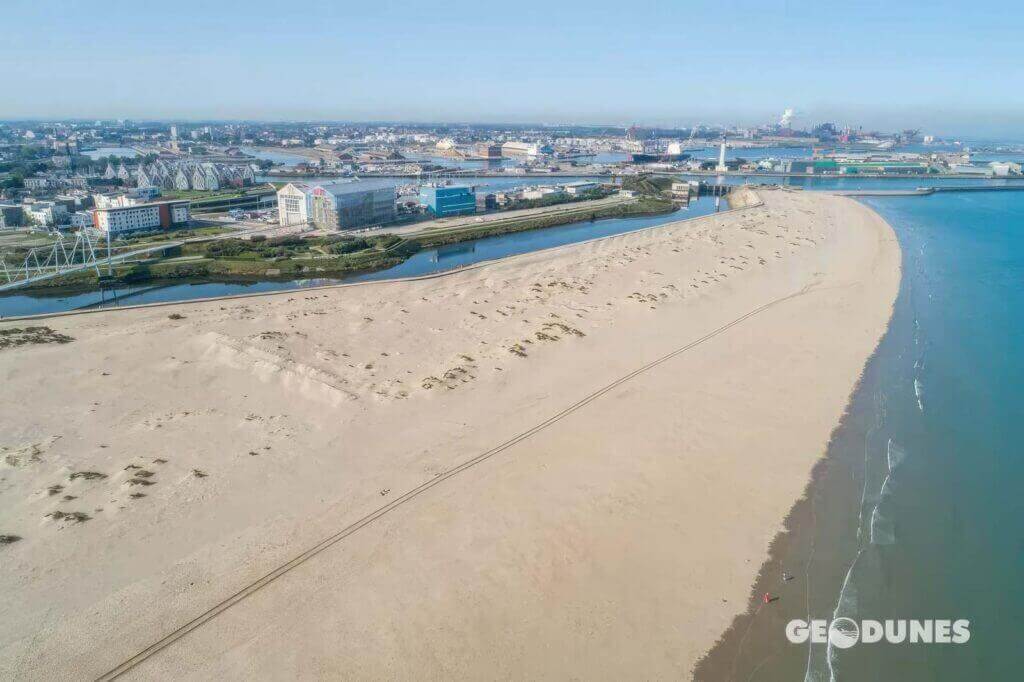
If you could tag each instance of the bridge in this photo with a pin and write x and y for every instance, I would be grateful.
(65, 257)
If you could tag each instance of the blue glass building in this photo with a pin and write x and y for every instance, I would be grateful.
(446, 201)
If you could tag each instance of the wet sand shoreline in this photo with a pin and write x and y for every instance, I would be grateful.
(809, 558)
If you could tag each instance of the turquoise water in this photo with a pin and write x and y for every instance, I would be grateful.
(939, 529)
(422, 263)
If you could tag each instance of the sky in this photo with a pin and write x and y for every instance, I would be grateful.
(950, 68)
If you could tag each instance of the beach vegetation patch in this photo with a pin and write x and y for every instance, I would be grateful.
(87, 475)
(24, 336)
(73, 517)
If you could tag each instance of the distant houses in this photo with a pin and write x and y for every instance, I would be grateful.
(183, 175)
(186, 175)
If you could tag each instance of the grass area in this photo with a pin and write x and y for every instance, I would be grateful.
(23, 239)
(283, 257)
(171, 235)
(14, 247)
(647, 185)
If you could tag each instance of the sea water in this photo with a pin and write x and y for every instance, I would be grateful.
(938, 532)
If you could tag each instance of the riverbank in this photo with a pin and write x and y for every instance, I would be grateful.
(284, 258)
(570, 462)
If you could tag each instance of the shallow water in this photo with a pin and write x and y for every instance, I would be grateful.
(943, 470)
(920, 514)
(916, 513)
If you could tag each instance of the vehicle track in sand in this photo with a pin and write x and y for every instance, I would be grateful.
(170, 638)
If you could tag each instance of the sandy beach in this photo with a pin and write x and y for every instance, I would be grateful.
(567, 464)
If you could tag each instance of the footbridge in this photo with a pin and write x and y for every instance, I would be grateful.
(66, 256)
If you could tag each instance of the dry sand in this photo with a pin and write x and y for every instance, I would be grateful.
(617, 541)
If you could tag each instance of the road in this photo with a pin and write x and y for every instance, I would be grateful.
(444, 224)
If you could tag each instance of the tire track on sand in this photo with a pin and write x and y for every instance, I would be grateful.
(253, 587)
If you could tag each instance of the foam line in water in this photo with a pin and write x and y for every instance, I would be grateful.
(887, 489)
(879, 418)
(847, 604)
(894, 455)
(882, 530)
(917, 394)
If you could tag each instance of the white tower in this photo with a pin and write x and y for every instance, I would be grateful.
(721, 158)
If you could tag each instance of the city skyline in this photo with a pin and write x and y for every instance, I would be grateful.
(919, 64)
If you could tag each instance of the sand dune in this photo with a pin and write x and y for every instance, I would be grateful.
(646, 408)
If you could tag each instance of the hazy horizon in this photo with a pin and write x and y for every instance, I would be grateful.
(917, 65)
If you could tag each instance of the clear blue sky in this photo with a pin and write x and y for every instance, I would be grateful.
(949, 67)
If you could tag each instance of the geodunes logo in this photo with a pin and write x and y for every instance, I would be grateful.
(844, 633)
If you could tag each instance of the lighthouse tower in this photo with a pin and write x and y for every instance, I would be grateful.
(721, 158)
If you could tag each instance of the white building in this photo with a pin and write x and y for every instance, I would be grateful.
(540, 192)
(967, 169)
(134, 197)
(293, 204)
(580, 187)
(519, 149)
(161, 215)
(46, 213)
(1005, 168)
(337, 205)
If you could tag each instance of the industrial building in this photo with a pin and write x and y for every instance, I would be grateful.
(541, 192)
(160, 215)
(685, 191)
(338, 205)
(843, 167)
(488, 151)
(447, 201)
(580, 187)
(524, 149)
(519, 149)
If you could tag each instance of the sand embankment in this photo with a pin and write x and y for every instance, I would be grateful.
(643, 411)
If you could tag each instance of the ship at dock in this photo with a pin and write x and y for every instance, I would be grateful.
(653, 153)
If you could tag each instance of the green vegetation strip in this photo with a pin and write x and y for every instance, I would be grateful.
(333, 255)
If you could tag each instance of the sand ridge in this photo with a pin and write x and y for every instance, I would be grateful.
(228, 440)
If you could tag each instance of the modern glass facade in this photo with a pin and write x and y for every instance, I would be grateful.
(446, 201)
(343, 206)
